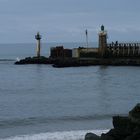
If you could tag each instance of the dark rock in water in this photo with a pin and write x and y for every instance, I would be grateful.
(125, 128)
(35, 60)
(122, 125)
(120, 122)
(134, 114)
(106, 137)
(91, 136)
(113, 134)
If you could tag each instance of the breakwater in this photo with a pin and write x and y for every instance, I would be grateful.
(35, 60)
(116, 54)
(96, 61)
(77, 62)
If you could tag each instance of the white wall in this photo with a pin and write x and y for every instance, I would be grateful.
(76, 51)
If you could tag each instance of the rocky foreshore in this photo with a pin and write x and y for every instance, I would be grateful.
(124, 127)
(35, 60)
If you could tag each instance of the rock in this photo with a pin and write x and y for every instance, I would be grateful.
(35, 60)
(134, 114)
(120, 122)
(114, 134)
(122, 125)
(125, 128)
(129, 138)
(91, 136)
(136, 135)
(106, 137)
(133, 137)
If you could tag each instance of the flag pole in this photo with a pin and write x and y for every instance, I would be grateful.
(86, 37)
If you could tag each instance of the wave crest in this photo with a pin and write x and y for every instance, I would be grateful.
(65, 135)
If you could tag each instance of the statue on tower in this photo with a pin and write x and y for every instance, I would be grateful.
(38, 36)
(102, 28)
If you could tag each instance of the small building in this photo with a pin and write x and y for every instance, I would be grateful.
(60, 52)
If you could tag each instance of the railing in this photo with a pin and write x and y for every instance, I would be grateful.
(116, 44)
(123, 49)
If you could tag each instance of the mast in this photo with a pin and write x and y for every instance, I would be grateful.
(86, 32)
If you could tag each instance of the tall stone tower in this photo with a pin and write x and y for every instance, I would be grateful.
(38, 38)
(102, 42)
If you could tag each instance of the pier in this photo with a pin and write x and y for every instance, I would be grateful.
(114, 53)
(123, 49)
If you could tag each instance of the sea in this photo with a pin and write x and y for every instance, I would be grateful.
(40, 102)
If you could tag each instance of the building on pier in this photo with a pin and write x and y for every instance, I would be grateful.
(104, 50)
(60, 52)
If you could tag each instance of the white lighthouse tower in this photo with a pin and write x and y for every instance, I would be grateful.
(38, 38)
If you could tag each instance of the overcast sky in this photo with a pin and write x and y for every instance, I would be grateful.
(66, 20)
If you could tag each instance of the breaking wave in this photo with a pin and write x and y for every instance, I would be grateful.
(64, 135)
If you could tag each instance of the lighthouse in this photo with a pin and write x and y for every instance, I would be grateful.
(102, 41)
(38, 38)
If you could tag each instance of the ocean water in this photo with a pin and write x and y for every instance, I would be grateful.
(39, 102)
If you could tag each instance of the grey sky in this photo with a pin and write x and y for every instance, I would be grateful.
(66, 20)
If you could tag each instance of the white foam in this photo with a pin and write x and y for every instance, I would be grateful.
(65, 135)
(17, 59)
